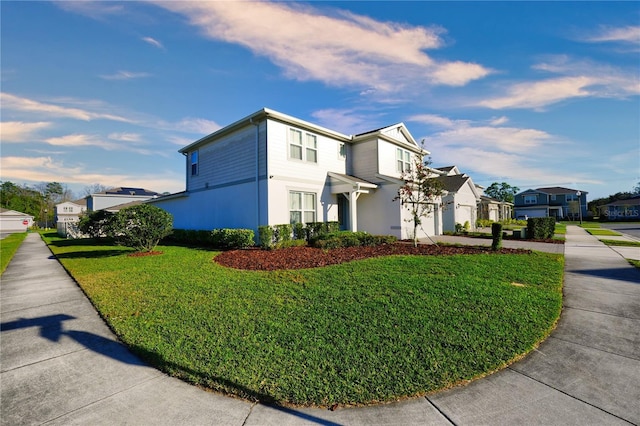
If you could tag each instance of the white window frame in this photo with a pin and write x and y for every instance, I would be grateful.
(403, 160)
(302, 146)
(304, 208)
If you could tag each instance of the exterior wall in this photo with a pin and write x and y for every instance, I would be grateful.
(104, 201)
(387, 159)
(287, 174)
(459, 207)
(68, 212)
(364, 160)
(15, 223)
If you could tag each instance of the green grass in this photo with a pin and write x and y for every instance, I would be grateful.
(606, 232)
(634, 262)
(621, 243)
(589, 225)
(8, 247)
(361, 332)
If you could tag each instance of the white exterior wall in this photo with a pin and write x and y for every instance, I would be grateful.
(286, 174)
(364, 160)
(69, 212)
(15, 223)
(459, 207)
(387, 159)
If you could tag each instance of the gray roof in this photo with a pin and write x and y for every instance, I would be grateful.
(126, 190)
(453, 183)
(554, 190)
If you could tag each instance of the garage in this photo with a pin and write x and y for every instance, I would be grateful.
(527, 213)
(13, 221)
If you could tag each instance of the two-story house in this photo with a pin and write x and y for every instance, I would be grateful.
(271, 168)
(561, 203)
(460, 199)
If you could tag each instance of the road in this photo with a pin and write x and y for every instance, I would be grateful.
(629, 228)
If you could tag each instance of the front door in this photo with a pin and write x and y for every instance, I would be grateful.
(343, 212)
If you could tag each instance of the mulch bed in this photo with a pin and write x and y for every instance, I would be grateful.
(308, 257)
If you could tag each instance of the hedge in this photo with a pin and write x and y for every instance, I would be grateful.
(541, 228)
(228, 239)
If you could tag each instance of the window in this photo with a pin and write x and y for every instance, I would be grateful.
(194, 163)
(571, 197)
(299, 151)
(530, 199)
(342, 151)
(553, 197)
(302, 207)
(403, 160)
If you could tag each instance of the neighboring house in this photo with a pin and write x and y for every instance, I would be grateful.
(460, 201)
(115, 196)
(494, 209)
(628, 209)
(13, 221)
(68, 215)
(270, 168)
(561, 203)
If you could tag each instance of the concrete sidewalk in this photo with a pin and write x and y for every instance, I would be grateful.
(60, 364)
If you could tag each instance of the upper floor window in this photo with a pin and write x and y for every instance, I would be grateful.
(571, 197)
(302, 207)
(530, 199)
(553, 197)
(194, 163)
(403, 160)
(342, 151)
(303, 146)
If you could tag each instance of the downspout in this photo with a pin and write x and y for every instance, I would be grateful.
(257, 173)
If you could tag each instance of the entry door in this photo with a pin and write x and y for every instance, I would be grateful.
(343, 212)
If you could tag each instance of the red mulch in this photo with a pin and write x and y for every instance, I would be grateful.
(144, 253)
(308, 257)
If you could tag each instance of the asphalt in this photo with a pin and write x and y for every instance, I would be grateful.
(61, 365)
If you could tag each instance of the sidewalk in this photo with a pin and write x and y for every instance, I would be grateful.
(60, 364)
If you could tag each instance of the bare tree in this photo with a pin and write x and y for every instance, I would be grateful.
(419, 193)
(94, 189)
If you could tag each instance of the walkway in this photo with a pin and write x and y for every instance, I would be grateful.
(61, 365)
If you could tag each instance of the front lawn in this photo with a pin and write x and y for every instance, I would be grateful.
(600, 231)
(361, 332)
(8, 247)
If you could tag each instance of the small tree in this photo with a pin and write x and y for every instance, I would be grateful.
(502, 191)
(141, 227)
(419, 192)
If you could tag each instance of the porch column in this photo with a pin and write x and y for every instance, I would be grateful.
(353, 210)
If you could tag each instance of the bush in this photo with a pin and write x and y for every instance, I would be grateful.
(192, 237)
(299, 232)
(265, 237)
(315, 229)
(229, 239)
(290, 243)
(483, 223)
(466, 226)
(140, 227)
(541, 228)
(496, 232)
(96, 224)
(349, 239)
(282, 233)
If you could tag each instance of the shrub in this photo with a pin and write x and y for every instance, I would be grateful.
(299, 232)
(496, 232)
(192, 237)
(228, 239)
(140, 227)
(96, 224)
(290, 243)
(467, 226)
(315, 229)
(483, 223)
(282, 233)
(349, 239)
(541, 228)
(458, 228)
(265, 237)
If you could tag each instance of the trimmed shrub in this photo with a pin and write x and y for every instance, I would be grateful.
(314, 229)
(483, 223)
(350, 239)
(228, 239)
(290, 243)
(496, 232)
(282, 233)
(298, 231)
(192, 237)
(141, 227)
(265, 237)
(541, 228)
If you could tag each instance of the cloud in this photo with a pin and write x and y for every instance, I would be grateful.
(83, 140)
(153, 42)
(434, 120)
(198, 126)
(45, 169)
(340, 49)
(92, 9)
(125, 137)
(18, 131)
(16, 103)
(125, 75)
(628, 34)
(347, 121)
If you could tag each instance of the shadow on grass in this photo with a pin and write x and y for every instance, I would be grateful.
(95, 254)
(159, 362)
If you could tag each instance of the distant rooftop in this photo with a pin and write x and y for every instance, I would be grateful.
(125, 190)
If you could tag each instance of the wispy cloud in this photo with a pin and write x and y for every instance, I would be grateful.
(46, 169)
(576, 79)
(77, 140)
(125, 75)
(153, 42)
(347, 121)
(356, 51)
(198, 126)
(18, 131)
(488, 148)
(50, 109)
(628, 34)
(126, 137)
(93, 9)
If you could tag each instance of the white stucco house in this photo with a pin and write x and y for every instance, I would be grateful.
(460, 199)
(67, 216)
(270, 168)
(14, 221)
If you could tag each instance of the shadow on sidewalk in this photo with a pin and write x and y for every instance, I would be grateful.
(629, 274)
(51, 328)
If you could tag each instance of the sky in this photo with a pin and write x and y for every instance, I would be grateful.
(534, 94)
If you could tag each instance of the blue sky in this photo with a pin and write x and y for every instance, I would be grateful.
(532, 93)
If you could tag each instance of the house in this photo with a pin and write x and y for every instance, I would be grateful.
(271, 168)
(561, 203)
(628, 209)
(493, 209)
(115, 196)
(13, 221)
(460, 200)
(67, 215)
